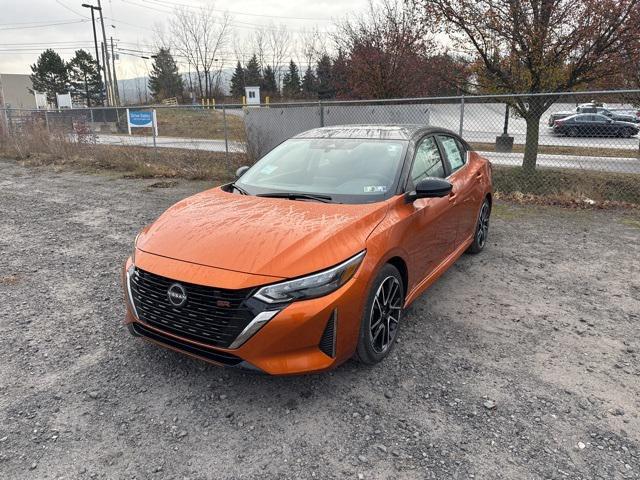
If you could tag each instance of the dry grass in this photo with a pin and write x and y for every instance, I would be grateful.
(566, 150)
(37, 148)
(198, 123)
(567, 184)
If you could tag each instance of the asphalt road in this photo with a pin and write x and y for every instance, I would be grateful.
(604, 164)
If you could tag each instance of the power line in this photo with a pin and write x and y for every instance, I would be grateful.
(71, 9)
(44, 25)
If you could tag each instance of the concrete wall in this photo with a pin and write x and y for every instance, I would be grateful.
(268, 127)
(14, 91)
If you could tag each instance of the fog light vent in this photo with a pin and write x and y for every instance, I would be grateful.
(328, 340)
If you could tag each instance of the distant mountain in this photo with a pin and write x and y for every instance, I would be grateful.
(135, 91)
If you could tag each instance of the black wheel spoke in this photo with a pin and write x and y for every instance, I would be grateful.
(385, 314)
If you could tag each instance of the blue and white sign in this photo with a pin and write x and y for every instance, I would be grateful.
(142, 119)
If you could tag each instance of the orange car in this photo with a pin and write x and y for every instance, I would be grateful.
(309, 258)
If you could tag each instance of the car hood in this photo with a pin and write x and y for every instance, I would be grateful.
(267, 236)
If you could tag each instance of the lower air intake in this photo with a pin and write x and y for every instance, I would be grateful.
(328, 340)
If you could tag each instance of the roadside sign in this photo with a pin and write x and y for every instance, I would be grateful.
(142, 119)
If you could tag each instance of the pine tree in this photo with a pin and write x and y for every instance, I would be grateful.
(85, 79)
(252, 76)
(310, 83)
(269, 85)
(323, 71)
(50, 75)
(339, 76)
(291, 81)
(237, 81)
(165, 80)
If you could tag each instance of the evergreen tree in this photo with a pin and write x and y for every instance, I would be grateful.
(291, 81)
(323, 72)
(50, 75)
(269, 85)
(85, 79)
(339, 76)
(309, 83)
(252, 75)
(165, 80)
(237, 81)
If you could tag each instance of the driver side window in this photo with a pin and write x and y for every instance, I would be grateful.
(427, 161)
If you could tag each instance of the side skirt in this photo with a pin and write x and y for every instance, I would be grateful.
(437, 272)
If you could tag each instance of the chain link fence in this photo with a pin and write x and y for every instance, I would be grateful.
(581, 145)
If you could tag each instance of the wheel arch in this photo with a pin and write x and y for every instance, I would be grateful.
(401, 265)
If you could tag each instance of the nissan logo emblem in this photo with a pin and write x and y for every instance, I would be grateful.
(177, 295)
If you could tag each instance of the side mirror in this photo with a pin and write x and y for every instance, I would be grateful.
(430, 187)
(241, 171)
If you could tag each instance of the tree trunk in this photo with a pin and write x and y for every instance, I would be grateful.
(531, 144)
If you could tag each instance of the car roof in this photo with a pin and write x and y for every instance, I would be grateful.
(379, 132)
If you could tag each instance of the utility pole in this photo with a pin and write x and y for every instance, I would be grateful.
(106, 55)
(95, 43)
(104, 62)
(116, 93)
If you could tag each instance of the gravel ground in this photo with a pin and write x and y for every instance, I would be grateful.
(521, 362)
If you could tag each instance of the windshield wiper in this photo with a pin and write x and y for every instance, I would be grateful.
(297, 196)
(241, 190)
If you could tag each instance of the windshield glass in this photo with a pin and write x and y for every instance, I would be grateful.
(347, 170)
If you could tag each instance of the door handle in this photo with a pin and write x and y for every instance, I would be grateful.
(452, 196)
(479, 175)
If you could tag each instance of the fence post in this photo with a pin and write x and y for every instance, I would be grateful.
(461, 115)
(46, 122)
(321, 108)
(226, 137)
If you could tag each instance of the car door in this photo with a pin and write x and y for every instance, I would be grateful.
(432, 229)
(466, 195)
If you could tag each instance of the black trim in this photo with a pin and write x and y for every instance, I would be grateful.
(222, 358)
(328, 339)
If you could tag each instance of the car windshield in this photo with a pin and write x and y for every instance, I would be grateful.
(340, 170)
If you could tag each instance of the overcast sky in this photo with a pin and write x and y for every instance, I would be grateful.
(27, 27)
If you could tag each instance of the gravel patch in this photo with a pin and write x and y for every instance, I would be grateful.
(521, 362)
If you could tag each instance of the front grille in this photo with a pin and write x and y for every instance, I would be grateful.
(218, 357)
(212, 316)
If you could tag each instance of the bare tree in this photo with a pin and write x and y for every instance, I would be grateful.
(273, 48)
(199, 36)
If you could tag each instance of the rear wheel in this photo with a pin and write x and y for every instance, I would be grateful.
(482, 228)
(381, 316)
(573, 132)
(628, 132)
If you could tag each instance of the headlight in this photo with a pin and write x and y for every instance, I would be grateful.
(133, 253)
(311, 286)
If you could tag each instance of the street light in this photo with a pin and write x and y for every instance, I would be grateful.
(95, 42)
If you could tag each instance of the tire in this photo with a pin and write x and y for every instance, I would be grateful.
(384, 314)
(573, 132)
(628, 132)
(482, 228)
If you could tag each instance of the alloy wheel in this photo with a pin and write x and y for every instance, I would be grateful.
(482, 231)
(385, 314)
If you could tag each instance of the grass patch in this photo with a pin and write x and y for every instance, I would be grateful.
(199, 123)
(631, 222)
(573, 184)
(37, 148)
(566, 150)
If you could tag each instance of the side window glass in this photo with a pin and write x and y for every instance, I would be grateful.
(454, 153)
(427, 162)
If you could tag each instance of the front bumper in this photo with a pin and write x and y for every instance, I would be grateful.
(287, 344)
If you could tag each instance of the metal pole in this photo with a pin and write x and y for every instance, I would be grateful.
(95, 43)
(461, 115)
(321, 108)
(106, 49)
(226, 137)
(506, 119)
(116, 93)
(46, 121)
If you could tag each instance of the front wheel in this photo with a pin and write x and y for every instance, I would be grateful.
(482, 228)
(381, 316)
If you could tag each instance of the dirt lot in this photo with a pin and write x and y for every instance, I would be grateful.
(520, 363)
